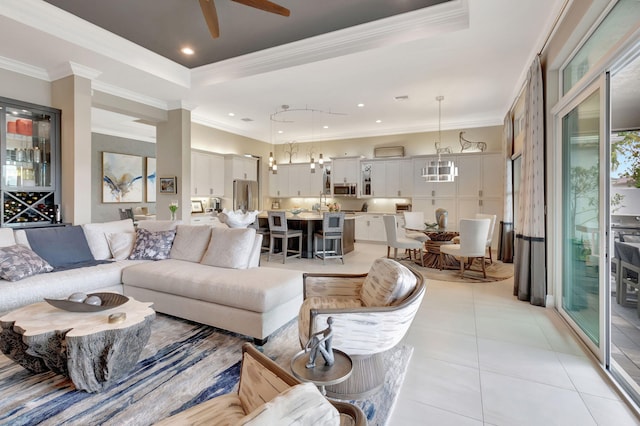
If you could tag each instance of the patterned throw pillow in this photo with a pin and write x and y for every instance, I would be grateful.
(152, 245)
(18, 262)
(387, 283)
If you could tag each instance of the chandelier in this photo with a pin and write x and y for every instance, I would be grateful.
(439, 170)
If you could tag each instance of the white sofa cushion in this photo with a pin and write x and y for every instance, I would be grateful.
(159, 225)
(253, 289)
(191, 242)
(6, 237)
(121, 244)
(230, 248)
(95, 233)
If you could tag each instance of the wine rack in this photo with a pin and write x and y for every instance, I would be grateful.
(30, 185)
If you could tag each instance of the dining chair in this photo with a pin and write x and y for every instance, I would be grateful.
(278, 229)
(393, 240)
(413, 224)
(473, 245)
(332, 230)
(492, 225)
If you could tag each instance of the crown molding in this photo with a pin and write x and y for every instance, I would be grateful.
(122, 134)
(181, 104)
(420, 24)
(72, 68)
(56, 22)
(129, 94)
(25, 69)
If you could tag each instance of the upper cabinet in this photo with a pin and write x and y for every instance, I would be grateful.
(480, 176)
(242, 168)
(386, 178)
(431, 189)
(345, 170)
(207, 174)
(30, 139)
(296, 180)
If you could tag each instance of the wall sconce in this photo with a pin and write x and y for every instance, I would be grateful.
(270, 159)
(312, 165)
(321, 161)
(274, 167)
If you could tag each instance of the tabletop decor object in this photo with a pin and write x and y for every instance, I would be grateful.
(173, 207)
(107, 301)
(321, 342)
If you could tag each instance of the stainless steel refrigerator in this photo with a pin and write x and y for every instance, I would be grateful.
(245, 195)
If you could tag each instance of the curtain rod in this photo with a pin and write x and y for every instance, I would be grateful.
(554, 26)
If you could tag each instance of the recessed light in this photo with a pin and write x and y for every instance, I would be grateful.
(325, 127)
(401, 98)
(360, 105)
(378, 121)
(231, 114)
(187, 51)
(280, 131)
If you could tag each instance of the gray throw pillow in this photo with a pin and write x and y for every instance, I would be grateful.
(152, 245)
(18, 262)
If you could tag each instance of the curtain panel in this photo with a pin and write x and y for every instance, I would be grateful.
(505, 248)
(530, 251)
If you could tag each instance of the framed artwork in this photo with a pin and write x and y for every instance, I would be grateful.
(196, 206)
(168, 185)
(121, 178)
(151, 180)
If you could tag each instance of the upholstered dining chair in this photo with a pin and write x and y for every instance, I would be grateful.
(415, 221)
(332, 230)
(473, 244)
(397, 242)
(278, 229)
(370, 314)
(492, 225)
(267, 394)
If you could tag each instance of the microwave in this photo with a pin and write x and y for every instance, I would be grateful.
(345, 190)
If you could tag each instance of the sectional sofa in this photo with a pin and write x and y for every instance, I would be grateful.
(201, 273)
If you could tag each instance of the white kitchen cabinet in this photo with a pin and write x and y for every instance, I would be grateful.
(299, 180)
(370, 227)
(279, 182)
(398, 178)
(295, 180)
(431, 189)
(207, 174)
(244, 168)
(372, 179)
(345, 170)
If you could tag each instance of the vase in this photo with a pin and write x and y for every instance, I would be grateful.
(173, 215)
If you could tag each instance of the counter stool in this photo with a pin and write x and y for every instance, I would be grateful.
(262, 231)
(332, 229)
(278, 229)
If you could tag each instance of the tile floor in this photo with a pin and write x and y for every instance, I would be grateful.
(483, 358)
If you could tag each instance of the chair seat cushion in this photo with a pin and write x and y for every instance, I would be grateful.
(418, 236)
(386, 283)
(326, 302)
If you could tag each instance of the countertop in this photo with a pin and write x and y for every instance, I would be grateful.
(309, 216)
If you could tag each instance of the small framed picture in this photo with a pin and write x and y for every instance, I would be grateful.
(196, 206)
(168, 185)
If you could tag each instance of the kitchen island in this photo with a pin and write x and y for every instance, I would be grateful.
(309, 223)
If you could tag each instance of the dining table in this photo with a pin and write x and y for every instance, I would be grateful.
(437, 238)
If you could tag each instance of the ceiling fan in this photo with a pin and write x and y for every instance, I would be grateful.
(211, 16)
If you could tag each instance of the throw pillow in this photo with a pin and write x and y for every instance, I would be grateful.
(301, 404)
(230, 248)
(191, 242)
(18, 262)
(152, 245)
(386, 283)
(97, 238)
(121, 244)
(60, 246)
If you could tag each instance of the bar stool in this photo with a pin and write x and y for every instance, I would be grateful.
(278, 229)
(264, 231)
(332, 229)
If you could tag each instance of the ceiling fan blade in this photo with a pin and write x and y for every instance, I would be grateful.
(265, 5)
(211, 16)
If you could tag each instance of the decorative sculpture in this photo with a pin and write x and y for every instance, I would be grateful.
(470, 146)
(445, 150)
(441, 218)
(321, 341)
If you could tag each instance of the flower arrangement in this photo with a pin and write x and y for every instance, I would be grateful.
(334, 207)
(173, 207)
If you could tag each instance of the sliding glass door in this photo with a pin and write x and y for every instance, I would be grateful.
(582, 150)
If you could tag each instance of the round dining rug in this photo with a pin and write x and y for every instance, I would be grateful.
(496, 271)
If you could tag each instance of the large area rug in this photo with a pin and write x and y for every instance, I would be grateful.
(496, 271)
(183, 364)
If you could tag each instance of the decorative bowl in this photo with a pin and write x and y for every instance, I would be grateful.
(109, 301)
(296, 212)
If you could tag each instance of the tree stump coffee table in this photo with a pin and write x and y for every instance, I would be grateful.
(93, 352)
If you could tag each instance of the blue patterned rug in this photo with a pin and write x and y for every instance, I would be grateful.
(183, 364)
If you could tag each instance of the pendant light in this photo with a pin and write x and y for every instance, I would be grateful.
(439, 170)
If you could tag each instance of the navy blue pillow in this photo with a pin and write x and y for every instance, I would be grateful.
(61, 246)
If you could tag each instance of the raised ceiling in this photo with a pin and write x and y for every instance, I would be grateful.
(473, 52)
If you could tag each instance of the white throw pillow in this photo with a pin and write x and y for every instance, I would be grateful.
(121, 244)
(301, 404)
(95, 233)
(230, 248)
(191, 242)
(386, 283)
